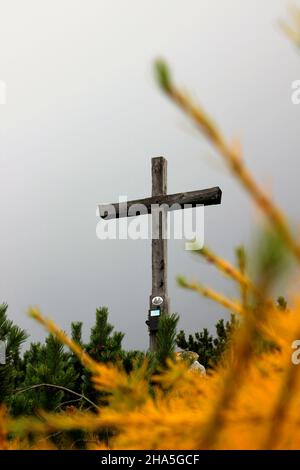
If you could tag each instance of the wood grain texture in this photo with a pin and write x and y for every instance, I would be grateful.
(159, 245)
(204, 197)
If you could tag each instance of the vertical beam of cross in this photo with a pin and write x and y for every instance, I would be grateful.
(160, 243)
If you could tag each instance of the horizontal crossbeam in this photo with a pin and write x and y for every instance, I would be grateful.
(204, 197)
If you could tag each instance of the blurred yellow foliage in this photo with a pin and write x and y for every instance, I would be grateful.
(292, 30)
(251, 401)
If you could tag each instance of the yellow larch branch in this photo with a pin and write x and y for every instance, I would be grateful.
(232, 305)
(84, 358)
(231, 155)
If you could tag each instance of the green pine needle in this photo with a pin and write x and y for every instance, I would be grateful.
(163, 75)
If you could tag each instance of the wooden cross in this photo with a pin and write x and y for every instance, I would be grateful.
(204, 197)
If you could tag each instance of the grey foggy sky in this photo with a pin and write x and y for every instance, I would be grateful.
(83, 119)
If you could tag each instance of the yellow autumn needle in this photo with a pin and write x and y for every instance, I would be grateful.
(239, 276)
(233, 306)
(292, 31)
(85, 359)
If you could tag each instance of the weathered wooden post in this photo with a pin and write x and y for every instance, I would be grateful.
(160, 243)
